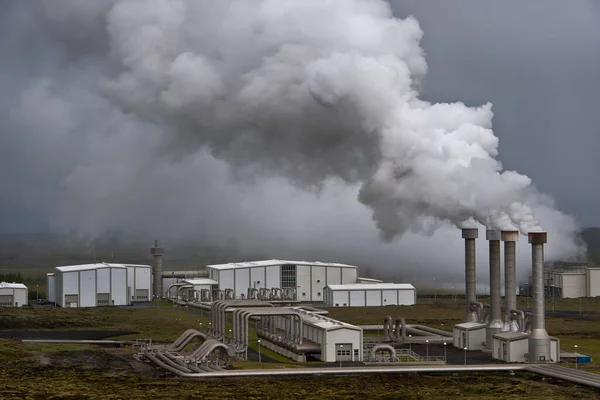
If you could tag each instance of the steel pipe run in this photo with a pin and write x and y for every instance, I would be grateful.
(180, 288)
(400, 328)
(477, 308)
(510, 239)
(495, 323)
(387, 329)
(539, 340)
(519, 316)
(184, 274)
(384, 347)
(470, 271)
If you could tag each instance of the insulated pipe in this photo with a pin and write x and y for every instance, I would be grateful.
(539, 340)
(510, 239)
(400, 327)
(519, 315)
(470, 271)
(180, 288)
(184, 274)
(495, 323)
(477, 309)
(387, 327)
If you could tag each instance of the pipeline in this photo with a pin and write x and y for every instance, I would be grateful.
(184, 274)
(173, 285)
(387, 328)
(400, 328)
(477, 307)
(180, 288)
(384, 346)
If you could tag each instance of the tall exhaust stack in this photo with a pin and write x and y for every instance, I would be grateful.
(510, 239)
(157, 268)
(470, 235)
(495, 325)
(539, 340)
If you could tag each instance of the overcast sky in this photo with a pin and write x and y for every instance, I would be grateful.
(537, 62)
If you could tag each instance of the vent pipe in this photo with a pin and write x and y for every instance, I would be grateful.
(470, 235)
(510, 239)
(495, 324)
(539, 340)
(157, 252)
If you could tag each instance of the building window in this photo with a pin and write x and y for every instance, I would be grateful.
(288, 276)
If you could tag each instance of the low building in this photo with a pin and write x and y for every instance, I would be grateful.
(51, 287)
(370, 295)
(307, 279)
(100, 284)
(571, 280)
(513, 347)
(200, 289)
(13, 294)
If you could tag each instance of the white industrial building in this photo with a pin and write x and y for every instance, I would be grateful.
(51, 287)
(370, 295)
(13, 294)
(309, 279)
(571, 280)
(101, 284)
(513, 347)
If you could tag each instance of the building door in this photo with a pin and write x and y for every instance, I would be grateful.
(71, 300)
(343, 352)
(6, 300)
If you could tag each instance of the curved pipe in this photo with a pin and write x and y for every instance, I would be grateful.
(173, 285)
(180, 288)
(478, 308)
(384, 346)
(387, 328)
(518, 315)
(400, 328)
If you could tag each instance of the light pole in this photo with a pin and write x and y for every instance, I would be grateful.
(410, 343)
(465, 356)
(576, 354)
(259, 360)
(445, 351)
(37, 296)
(341, 352)
(427, 348)
(434, 291)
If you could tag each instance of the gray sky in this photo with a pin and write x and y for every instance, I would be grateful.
(69, 161)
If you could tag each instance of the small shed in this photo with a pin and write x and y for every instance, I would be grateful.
(370, 295)
(514, 347)
(470, 335)
(202, 284)
(13, 294)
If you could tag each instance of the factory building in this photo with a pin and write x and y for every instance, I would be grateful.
(307, 279)
(102, 284)
(571, 280)
(13, 294)
(370, 295)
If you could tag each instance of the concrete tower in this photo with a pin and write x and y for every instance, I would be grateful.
(510, 239)
(470, 271)
(495, 325)
(157, 268)
(539, 340)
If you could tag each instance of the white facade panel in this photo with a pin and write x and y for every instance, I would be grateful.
(273, 279)
(103, 280)
(593, 278)
(357, 298)
(257, 277)
(87, 291)
(130, 283)
(407, 297)
(318, 283)
(390, 297)
(118, 286)
(574, 285)
(340, 298)
(20, 297)
(58, 289)
(303, 273)
(373, 298)
(51, 287)
(334, 276)
(242, 282)
(226, 279)
(70, 283)
(143, 280)
(350, 339)
(349, 275)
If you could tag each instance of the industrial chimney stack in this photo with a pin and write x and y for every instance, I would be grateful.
(510, 239)
(157, 252)
(470, 271)
(539, 340)
(495, 324)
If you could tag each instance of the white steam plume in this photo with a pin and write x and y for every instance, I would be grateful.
(308, 90)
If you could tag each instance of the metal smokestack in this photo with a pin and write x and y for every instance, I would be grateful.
(470, 235)
(157, 268)
(495, 325)
(539, 340)
(510, 239)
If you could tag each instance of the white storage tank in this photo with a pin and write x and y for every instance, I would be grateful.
(13, 294)
(370, 295)
(51, 287)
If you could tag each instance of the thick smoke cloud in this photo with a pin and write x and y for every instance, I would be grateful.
(287, 124)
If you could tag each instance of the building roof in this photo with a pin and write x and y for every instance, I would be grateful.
(323, 322)
(6, 285)
(511, 336)
(201, 281)
(373, 286)
(87, 267)
(269, 263)
(137, 265)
